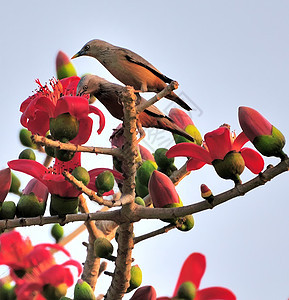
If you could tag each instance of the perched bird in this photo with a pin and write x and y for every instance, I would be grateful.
(109, 94)
(129, 68)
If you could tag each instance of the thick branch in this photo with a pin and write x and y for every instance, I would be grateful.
(167, 90)
(120, 280)
(23, 222)
(38, 139)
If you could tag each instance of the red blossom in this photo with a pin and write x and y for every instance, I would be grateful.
(218, 144)
(36, 263)
(45, 104)
(192, 271)
(51, 177)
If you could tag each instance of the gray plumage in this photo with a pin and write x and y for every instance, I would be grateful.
(129, 68)
(109, 94)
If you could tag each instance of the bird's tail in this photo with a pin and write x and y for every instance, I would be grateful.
(174, 97)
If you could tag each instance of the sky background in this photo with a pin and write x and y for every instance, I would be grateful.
(224, 54)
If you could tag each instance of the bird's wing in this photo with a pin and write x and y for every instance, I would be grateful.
(138, 60)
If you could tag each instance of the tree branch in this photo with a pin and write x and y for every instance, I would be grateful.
(167, 90)
(120, 280)
(162, 230)
(38, 139)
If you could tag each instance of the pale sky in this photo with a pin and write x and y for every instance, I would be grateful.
(224, 54)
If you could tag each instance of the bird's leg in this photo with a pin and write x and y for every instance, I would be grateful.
(140, 131)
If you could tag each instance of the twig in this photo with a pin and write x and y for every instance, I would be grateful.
(162, 230)
(90, 193)
(167, 90)
(91, 227)
(38, 139)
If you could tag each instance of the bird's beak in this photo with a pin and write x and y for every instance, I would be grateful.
(79, 53)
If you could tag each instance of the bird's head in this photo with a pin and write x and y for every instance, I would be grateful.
(91, 48)
(88, 84)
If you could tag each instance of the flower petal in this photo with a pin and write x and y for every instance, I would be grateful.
(219, 142)
(145, 292)
(214, 293)
(98, 112)
(95, 172)
(74, 263)
(194, 164)
(69, 85)
(192, 270)
(253, 160)
(5, 183)
(85, 128)
(56, 275)
(75, 105)
(30, 167)
(190, 150)
(240, 141)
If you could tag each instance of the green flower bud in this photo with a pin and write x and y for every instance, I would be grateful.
(83, 291)
(81, 174)
(135, 278)
(104, 182)
(231, 167)
(27, 154)
(15, 184)
(103, 248)
(139, 201)
(7, 211)
(64, 126)
(140, 189)
(62, 206)
(145, 171)
(162, 161)
(64, 155)
(54, 292)
(187, 291)
(29, 206)
(25, 138)
(57, 232)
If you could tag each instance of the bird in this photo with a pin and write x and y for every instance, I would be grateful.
(129, 68)
(109, 94)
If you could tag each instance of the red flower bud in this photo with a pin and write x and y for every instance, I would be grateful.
(162, 190)
(266, 138)
(64, 67)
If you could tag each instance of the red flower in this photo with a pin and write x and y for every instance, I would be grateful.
(45, 104)
(51, 177)
(5, 183)
(33, 267)
(223, 151)
(192, 271)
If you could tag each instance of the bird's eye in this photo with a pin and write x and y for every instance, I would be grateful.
(85, 87)
(86, 48)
